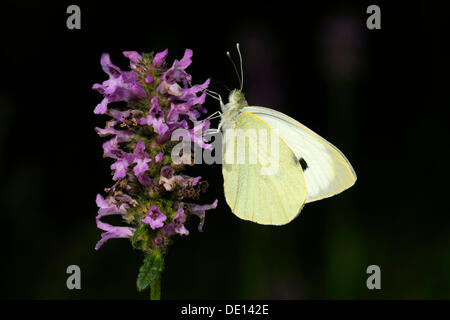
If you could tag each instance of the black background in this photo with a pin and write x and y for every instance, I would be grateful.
(381, 96)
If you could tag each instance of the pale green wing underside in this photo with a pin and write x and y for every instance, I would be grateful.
(275, 198)
(328, 171)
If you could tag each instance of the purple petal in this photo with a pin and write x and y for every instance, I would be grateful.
(145, 180)
(197, 134)
(186, 60)
(133, 56)
(112, 233)
(155, 218)
(141, 166)
(187, 108)
(140, 158)
(101, 202)
(111, 148)
(120, 169)
(99, 87)
(140, 148)
(108, 67)
(119, 115)
(167, 172)
(160, 58)
(102, 107)
(149, 79)
(121, 86)
(190, 93)
(122, 135)
(159, 157)
(169, 229)
(199, 210)
(181, 229)
(166, 134)
(179, 221)
(195, 180)
(108, 208)
(198, 207)
(155, 117)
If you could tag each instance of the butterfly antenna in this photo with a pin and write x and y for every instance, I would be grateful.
(240, 60)
(225, 86)
(235, 68)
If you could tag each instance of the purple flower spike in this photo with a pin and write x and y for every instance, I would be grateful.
(151, 99)
(155, 218)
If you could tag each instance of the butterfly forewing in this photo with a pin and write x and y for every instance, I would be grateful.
(270, 189)
(326, 170)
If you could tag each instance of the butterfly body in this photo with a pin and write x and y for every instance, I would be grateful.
(236, 102)
(307, 167)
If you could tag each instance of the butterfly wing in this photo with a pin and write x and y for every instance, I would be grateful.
(267, 197)
(327, 171)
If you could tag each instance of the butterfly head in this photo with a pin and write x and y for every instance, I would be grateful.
(237, 98)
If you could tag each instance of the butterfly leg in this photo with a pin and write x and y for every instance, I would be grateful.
(211, 132)
(215, 115)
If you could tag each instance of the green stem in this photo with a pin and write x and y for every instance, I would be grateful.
(155, 289)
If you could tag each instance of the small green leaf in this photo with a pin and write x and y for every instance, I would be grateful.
(137, 234)
(150, 270)
(140, 238)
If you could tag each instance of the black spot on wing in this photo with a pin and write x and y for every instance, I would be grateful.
(303, 164)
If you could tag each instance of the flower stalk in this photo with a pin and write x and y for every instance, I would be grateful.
(155, 289)
(151, 192)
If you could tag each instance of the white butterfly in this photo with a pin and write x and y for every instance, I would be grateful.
(309, 167)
